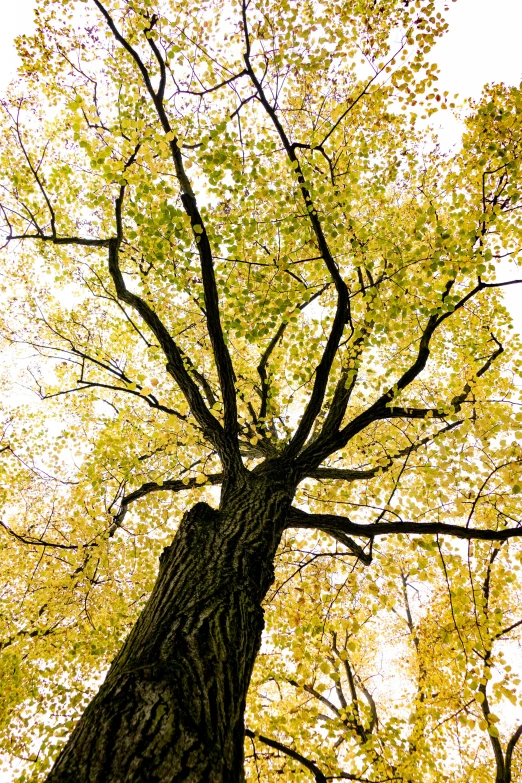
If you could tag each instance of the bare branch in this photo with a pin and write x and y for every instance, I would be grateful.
(150, 399)
(208, 90)
(504, 631)
(346, 474)
(509, 751)
(175, 365)
(333, 524)
(342, 313)
(212, 312)
(36, 541)
(261, 368)
(313, 768)
(82, 241)
(317, 451)
(170, 485)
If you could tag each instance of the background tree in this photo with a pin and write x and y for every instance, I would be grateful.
(253, 283)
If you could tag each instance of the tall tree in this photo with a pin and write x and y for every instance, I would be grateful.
(257, 290)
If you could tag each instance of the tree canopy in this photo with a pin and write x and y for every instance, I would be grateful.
(230, 237)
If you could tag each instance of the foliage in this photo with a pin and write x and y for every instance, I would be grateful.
(355, 295)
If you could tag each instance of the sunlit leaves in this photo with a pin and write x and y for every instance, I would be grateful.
(411, 231)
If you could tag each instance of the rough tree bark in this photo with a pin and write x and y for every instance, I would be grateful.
(171, 708)
(172, 705)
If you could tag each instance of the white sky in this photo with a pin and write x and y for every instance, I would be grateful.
(483, 44)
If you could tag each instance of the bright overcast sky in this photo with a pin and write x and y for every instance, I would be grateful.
(483, 45)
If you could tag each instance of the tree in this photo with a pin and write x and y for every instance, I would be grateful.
(243, 263)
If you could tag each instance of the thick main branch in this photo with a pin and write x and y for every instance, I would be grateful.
(221, 354)
(337, 525)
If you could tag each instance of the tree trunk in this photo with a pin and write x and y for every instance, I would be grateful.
(172, 705)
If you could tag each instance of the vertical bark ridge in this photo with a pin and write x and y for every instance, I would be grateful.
(172, 705)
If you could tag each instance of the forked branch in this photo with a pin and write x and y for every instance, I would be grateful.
(342, 314)
(338, 525)
(170, 485)
(212, 312)
(347, 474)
(293, 754)
(317, 451)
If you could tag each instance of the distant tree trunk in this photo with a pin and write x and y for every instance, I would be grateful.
(172, 705)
